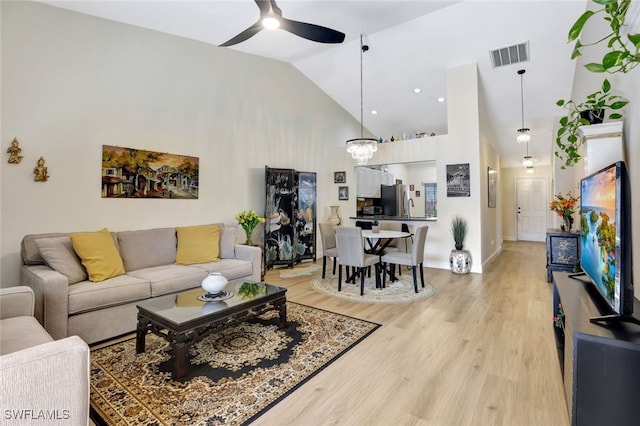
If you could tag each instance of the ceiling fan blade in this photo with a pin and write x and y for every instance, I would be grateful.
(263, 5)
(311, 31)
(245, 35)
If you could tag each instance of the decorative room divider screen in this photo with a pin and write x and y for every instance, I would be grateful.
(290, 212)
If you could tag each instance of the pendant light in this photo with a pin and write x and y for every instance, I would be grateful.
(523, 132)
(361, 149)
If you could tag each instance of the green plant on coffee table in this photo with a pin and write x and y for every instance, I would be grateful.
(567, 138)
(459, 231)
(623, 51)
(249, 290)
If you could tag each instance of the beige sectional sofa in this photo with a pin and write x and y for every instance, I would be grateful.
(96, 311)
(42, 381)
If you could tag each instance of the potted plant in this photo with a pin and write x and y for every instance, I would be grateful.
(622, 53)
(249, 219)
(458, 231)
(459, 259)
(589, 111)
(375, 226)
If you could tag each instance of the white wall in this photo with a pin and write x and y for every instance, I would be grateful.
(586, 82)
(72, 83)
(461, 145)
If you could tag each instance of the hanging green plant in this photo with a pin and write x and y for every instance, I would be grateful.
(582, 114)
(623, 51)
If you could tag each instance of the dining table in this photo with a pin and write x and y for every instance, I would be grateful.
(378, 241)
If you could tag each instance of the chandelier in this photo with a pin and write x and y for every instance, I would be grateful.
(523, 132)
(361, 149)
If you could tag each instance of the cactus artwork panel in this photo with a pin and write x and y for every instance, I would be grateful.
(138, 173)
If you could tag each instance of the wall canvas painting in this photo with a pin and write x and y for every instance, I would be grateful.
(492, 181)
(458, 180)
(137, 173)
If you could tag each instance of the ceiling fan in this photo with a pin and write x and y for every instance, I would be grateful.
(271, 18)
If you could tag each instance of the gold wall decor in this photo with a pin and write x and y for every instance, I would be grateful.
(14, 152)
(41, 172)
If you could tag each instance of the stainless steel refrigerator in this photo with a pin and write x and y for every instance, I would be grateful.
(394, 200)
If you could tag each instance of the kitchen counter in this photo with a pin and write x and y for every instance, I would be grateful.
(394, 218)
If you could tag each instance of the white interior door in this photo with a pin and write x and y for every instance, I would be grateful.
(531, 209)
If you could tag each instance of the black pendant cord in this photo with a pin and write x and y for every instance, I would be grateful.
(521, 72)
(361, 90)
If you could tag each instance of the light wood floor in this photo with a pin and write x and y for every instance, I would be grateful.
(479, 352)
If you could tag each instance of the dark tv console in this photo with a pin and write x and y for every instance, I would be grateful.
(600, 365)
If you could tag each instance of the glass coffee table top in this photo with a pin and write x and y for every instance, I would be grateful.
(185, 307)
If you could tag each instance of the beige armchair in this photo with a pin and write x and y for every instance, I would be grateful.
(41, 380)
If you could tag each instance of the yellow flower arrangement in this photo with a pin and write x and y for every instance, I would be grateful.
(249, 219)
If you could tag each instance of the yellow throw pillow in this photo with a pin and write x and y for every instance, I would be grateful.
(198, 244)
(98, 254)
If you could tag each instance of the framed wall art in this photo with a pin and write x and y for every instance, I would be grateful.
(339, 177)
(458, 180)
(138, 173)
(492, 182)
(343, 193)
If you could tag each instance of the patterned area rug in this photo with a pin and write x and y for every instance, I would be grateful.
(299, 271)
(234, 377)
(400, 291)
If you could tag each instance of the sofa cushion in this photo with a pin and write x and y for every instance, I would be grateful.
(29, 250)
(230, 268)
(20, 333)
(88, 296)
(170, 278)
(198, 244)
(228, 243)
(58, 253)
(98, 253)
(147, 248)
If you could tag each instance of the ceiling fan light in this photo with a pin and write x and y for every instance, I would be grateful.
(271, 23)
(523, 136)
(527, 161)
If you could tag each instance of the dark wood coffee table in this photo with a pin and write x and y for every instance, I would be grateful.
(183, 320)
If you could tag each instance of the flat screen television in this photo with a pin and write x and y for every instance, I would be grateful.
(605, 240)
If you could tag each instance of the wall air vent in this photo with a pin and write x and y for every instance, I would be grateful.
(510, 54)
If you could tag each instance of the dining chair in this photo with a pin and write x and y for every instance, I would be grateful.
(351, 253)
(414, 259)
(329, 247)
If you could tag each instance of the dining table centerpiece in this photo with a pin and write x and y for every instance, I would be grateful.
(564, 206)
(249, 219)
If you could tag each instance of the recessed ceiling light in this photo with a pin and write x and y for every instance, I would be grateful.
(374, 112)
(441, 99)
(417, 90)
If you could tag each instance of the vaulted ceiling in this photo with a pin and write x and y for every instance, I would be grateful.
(412, 44)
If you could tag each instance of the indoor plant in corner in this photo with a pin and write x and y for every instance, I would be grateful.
(589, 111)
(459, 259)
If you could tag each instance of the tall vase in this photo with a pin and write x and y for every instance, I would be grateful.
(334, 217)
(567, 223)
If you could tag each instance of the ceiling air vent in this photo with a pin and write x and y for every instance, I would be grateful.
(510, 54)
